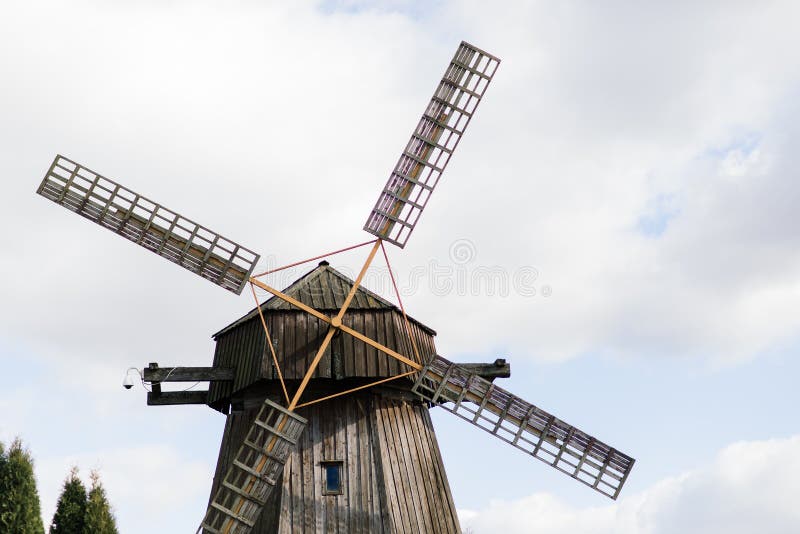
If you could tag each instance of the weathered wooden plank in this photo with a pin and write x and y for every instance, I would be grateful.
(359, 347)
(403, 341)
(311, 495)
(284, 330)
(358, 509)
(371, 366)
(369, 473)
(405, 504)
(255, 343)
(408, 468)
(267, 365)
(425, 344)
(380, 337)
(313, 340)
(328, 502)
(221, 390)
(300, 330)
(241, 369)
(296, 494)
(392, 338)
(417, 433)
(326, 298)
(419, 478)
(498, 369)
(380, 481)
(342, 501)
(383, 337)
(284, 526)
(186, 374)
(421, 428)
(385, 459)
(447, 509)
(169, 398)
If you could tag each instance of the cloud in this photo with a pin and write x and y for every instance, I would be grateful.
(749, 487)
(636, 163)
(649, 187)
(612, 113)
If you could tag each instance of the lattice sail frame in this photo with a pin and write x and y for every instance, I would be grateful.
(524, 426)
(148, 224)
(255, 471)
(432, 143)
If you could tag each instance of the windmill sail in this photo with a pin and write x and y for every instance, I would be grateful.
(254, 472)
(524, 426)
(428, 151)
(148, 224)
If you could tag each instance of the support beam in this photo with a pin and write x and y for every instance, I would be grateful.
(169, 398)
(489, 371)
(154, 373)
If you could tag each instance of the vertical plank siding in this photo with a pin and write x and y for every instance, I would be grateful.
(393, 476)
(417, 490)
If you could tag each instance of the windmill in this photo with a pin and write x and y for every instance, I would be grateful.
(326, 385)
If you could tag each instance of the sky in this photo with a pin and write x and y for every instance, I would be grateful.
(619, 222)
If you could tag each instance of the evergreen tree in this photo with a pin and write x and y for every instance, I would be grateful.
(20, 511)
(99, 519)
(70, 516)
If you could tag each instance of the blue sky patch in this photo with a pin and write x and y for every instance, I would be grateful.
(660, 211)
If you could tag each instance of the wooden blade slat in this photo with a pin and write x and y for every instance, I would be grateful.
(427, 153)
(148, 224)
(524, 426)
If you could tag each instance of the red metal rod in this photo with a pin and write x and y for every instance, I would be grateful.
(314, 258)
(400, 301)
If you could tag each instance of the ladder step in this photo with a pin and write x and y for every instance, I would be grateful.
(209, 529)
(275, 432)
(253, 472)
(233, 515)
(260, 450)
(242, 493)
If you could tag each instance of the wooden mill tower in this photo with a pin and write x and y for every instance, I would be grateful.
(327, 386)
(367, 461)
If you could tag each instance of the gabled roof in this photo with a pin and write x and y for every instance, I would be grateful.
(325, 289)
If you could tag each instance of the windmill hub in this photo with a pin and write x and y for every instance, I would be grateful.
(336, 321)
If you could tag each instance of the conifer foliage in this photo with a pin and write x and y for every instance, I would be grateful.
(77, 511)
(99, 519)
(20, 511)
(82, 512)
(70, 516)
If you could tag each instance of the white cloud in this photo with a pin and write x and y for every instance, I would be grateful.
(269, 123)
(277, 124)
(631, 107)
(749, 487)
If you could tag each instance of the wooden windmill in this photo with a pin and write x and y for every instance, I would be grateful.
(326, 385)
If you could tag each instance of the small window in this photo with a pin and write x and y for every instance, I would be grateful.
(332, 478)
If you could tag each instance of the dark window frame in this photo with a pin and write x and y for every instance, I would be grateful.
(326, 465)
